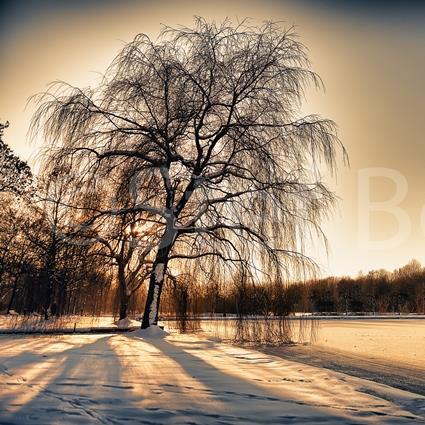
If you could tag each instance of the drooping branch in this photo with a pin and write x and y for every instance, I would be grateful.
(205, 122)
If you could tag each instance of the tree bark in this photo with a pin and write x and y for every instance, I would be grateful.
(48, 298)
(49, 271)
(123, 295)
(156, 281)
(12, 298)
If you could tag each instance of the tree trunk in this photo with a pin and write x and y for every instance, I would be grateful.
(47, 301)
(48, 293)
(49, 271)
(124, 298)
(156, 281)
(12, 298)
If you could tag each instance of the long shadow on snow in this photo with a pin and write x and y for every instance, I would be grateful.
(86, 387)
(237, 395)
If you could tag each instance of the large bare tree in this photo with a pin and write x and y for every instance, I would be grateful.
(209, 116)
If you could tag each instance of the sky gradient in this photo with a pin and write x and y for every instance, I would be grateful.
(371, 59)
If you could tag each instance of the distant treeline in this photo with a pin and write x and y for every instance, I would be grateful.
(379, 291)
(87, 288)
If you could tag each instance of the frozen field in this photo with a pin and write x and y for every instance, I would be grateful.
(134, 378)
(397, 341)
(386, 351)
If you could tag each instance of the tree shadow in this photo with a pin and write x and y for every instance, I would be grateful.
(234, 395)
(113, 379)
(29, 354)
(82, 384)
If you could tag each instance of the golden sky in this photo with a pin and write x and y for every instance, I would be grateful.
(372, 62)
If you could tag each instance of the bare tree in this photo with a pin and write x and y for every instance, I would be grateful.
(127, 245)
(211, 114)
(124, 237)
(50, 218)
(120, 243)
(14, 249)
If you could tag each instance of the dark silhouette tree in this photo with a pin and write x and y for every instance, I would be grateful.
(119, 239)
(15, 174)
(209, 115)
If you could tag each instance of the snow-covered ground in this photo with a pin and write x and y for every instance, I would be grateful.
(149, 379)
(386, 351)
(397, 341)
(400, 341)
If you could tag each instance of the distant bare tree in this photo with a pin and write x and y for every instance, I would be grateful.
(123, 240)
(211, 114)
(119, 240)
(14, 249)
(50, 222)
(125, 236)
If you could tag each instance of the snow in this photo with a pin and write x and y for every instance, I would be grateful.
(159, 272)
(400, 341)
(179, 379)
(159, 277)
(396, 341)
(126, 323)
(153, 310)
(152, 332)
(398, 375)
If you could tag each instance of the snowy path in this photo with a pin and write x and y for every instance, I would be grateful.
(123, 379)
